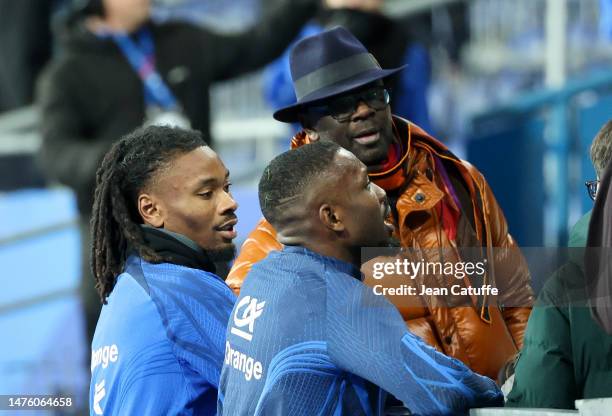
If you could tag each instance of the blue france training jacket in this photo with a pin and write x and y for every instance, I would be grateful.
(307, 337)
(158, 345)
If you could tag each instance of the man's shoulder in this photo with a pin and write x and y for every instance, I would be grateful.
(130, 287)
(429, 143)
(61, 69)
(169, 275)
(288, 282)
(290, 263)
(129, 310)
(187, 303)
(193, 307)
(76, 66)
(130, 304)
(285, 276)
(172, 285)
(578, 233)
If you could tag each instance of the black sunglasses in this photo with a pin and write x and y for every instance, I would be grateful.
(342, 108)
(592, 188)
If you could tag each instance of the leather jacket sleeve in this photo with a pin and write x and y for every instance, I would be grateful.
(511, 273)
(258, 244)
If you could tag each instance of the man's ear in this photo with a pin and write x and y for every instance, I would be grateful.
(313, 136)
(331, 218)
(150, 210)
(306, 123)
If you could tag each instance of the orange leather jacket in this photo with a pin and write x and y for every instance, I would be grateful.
(483, 335)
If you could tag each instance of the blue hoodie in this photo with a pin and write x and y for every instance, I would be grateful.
(158, 345)
(307, 337)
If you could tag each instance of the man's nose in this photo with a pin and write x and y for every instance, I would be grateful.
(382, 198)
(363, 110)
(228, 203)
(380, 194)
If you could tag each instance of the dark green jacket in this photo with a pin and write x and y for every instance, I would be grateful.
(566, 356)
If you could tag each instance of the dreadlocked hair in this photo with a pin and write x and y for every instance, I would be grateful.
(125, 171)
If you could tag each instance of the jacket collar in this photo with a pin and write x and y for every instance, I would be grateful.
(177, 249)
(334, 263)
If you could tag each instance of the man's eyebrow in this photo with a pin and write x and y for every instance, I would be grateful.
(211, 181)
(207, 181)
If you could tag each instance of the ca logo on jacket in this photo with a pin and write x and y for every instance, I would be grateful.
(247, 311)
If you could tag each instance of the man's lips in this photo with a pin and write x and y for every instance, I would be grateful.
(367, 136)
(227, 230)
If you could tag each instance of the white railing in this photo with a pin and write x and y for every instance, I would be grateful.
(589, 407)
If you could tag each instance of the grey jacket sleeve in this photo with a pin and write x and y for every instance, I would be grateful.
(235, 54)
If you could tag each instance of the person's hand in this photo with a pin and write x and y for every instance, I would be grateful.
(506, 373)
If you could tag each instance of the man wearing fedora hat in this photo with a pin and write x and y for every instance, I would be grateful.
(438, 201)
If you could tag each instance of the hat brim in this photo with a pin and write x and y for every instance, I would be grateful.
(289, 114)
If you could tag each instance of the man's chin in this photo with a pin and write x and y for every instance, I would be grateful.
(371, 157)
(226, 253)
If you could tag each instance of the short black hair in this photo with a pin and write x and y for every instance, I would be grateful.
(290, 173)
(126, 170)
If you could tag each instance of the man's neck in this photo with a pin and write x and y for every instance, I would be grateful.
(328, 249)
(302, 233)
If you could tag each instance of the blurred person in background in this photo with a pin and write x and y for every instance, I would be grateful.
(25, 47)
(353, 352)
(566, 354)
(437, 200)
(601, 155)
(392, 42)
(119, 70)
(163, 213)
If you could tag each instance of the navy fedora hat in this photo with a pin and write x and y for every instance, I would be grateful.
(327, 64)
